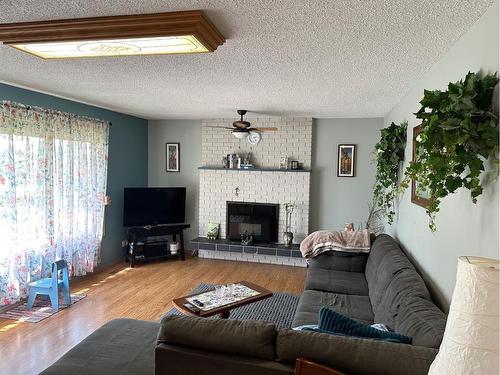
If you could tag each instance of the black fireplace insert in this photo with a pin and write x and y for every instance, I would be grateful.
(257, 219)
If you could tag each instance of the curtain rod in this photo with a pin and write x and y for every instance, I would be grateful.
(40, 109)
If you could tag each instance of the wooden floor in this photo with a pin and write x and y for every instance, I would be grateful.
(144, 292)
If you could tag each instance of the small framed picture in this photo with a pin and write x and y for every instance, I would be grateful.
(294, 164)
(346, 161)
(173, 161)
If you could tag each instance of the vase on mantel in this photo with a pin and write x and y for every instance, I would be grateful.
(287, 238)
(287, 234)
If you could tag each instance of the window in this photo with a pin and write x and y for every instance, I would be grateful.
(53, 169)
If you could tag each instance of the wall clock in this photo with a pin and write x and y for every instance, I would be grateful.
(254, 138)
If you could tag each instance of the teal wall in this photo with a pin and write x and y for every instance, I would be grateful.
(128, 157)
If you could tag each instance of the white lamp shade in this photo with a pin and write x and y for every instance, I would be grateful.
(240, 134)
(471, 342)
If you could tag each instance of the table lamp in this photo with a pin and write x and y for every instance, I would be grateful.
(470, 343)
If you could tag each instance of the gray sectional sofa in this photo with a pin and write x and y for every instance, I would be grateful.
(382, 287)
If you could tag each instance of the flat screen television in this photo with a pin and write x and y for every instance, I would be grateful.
(154, 206)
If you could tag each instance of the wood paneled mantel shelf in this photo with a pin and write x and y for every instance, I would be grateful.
(255, 169)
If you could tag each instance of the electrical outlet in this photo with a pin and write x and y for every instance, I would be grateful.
(124, 243)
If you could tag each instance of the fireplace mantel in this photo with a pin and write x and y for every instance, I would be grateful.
(255, 169)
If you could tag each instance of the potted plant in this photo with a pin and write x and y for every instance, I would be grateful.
(459, 134)
(287, 234)
(390, 153)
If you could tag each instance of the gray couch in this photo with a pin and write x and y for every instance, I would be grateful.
(382, 287)
(385, 288)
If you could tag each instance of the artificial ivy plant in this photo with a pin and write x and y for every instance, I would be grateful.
(390, 151)
(459, 133)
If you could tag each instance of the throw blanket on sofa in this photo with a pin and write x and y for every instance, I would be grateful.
(323, 240)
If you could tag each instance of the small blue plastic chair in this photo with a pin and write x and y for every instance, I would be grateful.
(50, 286)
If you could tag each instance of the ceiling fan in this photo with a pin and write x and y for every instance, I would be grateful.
(241, 128)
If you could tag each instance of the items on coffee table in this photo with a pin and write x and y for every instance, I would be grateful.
(221, 300)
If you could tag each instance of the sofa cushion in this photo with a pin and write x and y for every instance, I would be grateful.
(311, 301)
(385, 261)
(248, 337)
(354, 355)
(121, 346)
(422, 320)
(339, 261)
(336, 281)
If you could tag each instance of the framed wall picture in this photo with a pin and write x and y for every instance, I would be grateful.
(418, 196)
(346, 161)
(173, 157)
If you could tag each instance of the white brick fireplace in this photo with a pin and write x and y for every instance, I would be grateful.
(217, 186)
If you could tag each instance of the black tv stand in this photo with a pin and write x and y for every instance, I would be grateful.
(148, 242)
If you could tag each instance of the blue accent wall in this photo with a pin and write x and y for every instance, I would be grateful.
(128, 157)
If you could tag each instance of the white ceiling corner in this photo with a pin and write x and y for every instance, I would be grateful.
(316, 58)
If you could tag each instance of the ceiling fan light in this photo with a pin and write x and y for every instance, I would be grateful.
(240, 134)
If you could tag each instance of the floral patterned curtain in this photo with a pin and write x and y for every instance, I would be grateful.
(53, 171)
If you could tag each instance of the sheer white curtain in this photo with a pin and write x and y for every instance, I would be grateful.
(53, 171)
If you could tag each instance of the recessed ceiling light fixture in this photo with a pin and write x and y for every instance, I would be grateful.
(143, 34)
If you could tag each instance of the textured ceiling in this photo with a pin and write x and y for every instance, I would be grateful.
(320, 58)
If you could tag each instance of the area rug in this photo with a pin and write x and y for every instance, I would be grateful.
(40, 311)
(278, 309)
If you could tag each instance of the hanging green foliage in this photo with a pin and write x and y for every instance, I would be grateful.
(459, 133)
(390, 151)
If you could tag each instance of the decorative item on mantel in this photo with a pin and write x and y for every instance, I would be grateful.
(246, 239)
(235, 161)
(213, 231)
(247, 162)
(287, 234)
(284, 162)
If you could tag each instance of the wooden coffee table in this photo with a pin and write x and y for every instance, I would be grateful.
(224, 310)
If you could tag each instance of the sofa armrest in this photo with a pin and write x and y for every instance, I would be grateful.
(340, 261)
(250, 338)
(354, 355)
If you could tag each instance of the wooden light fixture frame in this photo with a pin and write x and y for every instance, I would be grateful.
(191, 22)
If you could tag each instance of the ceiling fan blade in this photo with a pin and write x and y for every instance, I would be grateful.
(241, 124)
(263, 129)
(218, 127)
